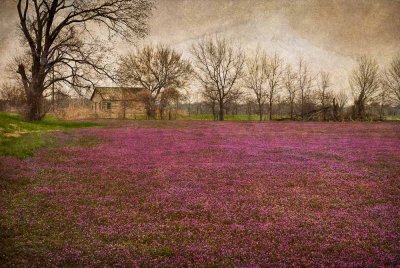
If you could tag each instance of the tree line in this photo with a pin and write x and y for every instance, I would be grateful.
(62, 50)
(225, 76)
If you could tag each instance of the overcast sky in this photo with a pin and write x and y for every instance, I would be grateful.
(329, 34)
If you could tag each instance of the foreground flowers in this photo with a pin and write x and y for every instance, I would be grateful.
(206, 193)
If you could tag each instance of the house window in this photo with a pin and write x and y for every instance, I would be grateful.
(106, 105)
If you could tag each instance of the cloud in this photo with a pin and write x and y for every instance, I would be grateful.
(8, 36)
(348, 27)
(329, 34)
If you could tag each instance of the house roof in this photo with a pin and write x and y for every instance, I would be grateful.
(116, 93)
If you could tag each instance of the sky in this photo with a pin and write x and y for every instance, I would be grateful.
(330, 35)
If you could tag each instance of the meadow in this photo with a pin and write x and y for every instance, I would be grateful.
(20, 138)
(204, 193)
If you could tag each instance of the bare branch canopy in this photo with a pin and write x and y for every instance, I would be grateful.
(60, 38)
(219, 67)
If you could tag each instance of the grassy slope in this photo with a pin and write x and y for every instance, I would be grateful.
(20, 138)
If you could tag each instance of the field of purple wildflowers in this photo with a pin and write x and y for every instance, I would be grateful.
(206, 194)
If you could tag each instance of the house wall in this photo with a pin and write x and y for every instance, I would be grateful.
(119, 109)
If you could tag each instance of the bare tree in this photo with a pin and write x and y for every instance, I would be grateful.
(364, 83)
(341, 98)
(58, 36)
(249, 104)
(392, 78)
(168, 97)
(256, 79)
(155, 69)
(289, 84)
(12, 94)
(219, 67)
(383, 99)
(304, 84)
(211, 99)
(275, 79)
(324, 83)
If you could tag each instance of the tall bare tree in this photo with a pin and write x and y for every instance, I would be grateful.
(392, 78)
(58, 36)
(256, 79)
(290, 86)
(341, 99)
(324, 96)
(383, 99)
(210, 97)
(156, 69)
(168, 98)
(304, 84)
(364, 83)
(219, 67)
(275, 79)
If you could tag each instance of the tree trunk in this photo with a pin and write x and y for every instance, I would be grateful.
(33, 91)
(33, 95)
(270, 109)
(260, 110)
(362, 112)
(34, 109)
(291, 110)
(221, 111)
(323, 105)
(151, 112)
(381, 110)
(214, 113)
(150, 107)
(335, 110)
(360, 109)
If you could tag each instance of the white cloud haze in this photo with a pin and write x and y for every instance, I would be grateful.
(329, 34)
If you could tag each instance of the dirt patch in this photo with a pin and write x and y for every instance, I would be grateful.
(14, 134)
